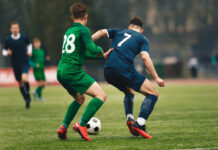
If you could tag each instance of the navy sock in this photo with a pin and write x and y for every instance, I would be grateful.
(22, 90)
(27, 86)
(27, 89)
(128, 103)
(147, 106)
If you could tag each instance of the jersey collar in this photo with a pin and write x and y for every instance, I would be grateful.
(136, 30)
(15, 37)
(77, 23)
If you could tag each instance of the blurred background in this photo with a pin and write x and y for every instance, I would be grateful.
(183, 34)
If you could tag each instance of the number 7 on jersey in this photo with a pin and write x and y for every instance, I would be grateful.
(127, 36)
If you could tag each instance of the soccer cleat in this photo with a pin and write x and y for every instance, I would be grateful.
(140, 130)
(129, 123)
(82, 131)
(62, 133)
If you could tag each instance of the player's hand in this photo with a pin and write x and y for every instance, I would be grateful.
(48, 58)
(9, 52)
(160, 82)
(38, 65)
(29, 54)
(106, 54)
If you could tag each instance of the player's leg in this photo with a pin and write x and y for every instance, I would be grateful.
(99, 98)
(35, 92)
(118, 79)
(38, 91)
(40, 77)
(73, 109)
(26, 87)
(70, 114)
(18, 76)
(37, 78)
(128, 107)
(67, 81)
(147, 107)
(43, 79)
(128, 103)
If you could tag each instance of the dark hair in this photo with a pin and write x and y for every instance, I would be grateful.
(136, 21)
(14, 22)
(78, 10)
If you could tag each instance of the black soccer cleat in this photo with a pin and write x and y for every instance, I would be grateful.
(129, 124)
(27, 104)
(140, 130)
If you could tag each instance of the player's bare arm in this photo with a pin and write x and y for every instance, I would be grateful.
(29, 50)
(149, 65)
(107, 53)
(99, 34)
(9, 52)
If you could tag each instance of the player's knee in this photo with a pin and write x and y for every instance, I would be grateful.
(42, 84)
(130, 91)
(102, 96)
(25, 79)
(20, 83)
(80, 99)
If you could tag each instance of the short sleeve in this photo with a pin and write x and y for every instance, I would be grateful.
(145, 45)
(112, 32)
(86, 35)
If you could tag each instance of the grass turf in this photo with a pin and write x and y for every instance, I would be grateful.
(185, 117)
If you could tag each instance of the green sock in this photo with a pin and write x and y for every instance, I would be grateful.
(39, 91)
(90, 111)
(70, 114)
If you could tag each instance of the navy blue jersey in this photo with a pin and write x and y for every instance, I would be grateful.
(18, 46)
(127, 44)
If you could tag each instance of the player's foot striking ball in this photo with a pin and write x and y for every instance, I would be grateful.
(77, 46)
(82, 131)
(18, 46)
(128, 43)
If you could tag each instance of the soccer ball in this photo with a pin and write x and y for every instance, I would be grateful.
(93, 126)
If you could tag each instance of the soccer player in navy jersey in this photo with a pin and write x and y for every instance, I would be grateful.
(120, 72)
(18, 46)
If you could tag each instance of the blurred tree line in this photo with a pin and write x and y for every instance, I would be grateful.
(174, 27)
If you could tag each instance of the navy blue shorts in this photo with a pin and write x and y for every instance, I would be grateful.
(18, 71)
(124, 77)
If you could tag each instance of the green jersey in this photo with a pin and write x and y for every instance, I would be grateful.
(77, 45)
(38, 57)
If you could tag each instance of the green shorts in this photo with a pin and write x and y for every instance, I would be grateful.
(76, 81)
(39, 74)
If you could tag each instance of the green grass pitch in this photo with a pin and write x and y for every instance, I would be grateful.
(185, 117)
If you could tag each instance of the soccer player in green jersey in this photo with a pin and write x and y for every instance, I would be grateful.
(38, 64)
(77, 46)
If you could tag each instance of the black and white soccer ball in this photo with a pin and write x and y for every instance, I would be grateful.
(94, 126)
